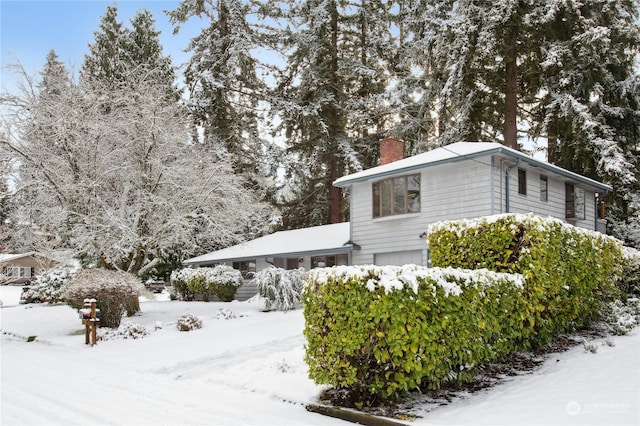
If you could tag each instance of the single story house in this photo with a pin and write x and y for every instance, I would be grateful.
(21, 268)
(391, 206)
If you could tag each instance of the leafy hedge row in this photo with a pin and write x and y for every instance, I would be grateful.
(569, 271)
(380, 331)
(221, 281)
(511, 282)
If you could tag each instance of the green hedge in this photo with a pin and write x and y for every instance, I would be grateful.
(499, 284)
(569, 271)
(380, 331)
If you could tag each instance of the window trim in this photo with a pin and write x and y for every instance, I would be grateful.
(522, 182)
(573, 194)
(386, 205)
(544, 195)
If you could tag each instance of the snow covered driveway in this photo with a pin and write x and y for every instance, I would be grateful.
(249, 370)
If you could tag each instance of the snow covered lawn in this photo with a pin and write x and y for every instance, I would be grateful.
(249, 370)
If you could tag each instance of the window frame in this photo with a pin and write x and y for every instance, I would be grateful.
(396, 195)
(575, 202)
(329, 260)
(544, 188)
(522, 182)
(247, 268)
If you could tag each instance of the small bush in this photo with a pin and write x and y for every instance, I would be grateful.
(128, 330)
(621, 317)
(46, 287)
(116, 292)
(221, 281)
(189, 322)
(281, 288)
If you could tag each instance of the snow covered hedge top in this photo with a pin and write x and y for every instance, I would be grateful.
(516, 220)
(217, 275)
(392, 278)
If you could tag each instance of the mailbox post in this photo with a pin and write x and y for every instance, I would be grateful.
(90, 318)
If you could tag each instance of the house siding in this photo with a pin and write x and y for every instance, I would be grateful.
(555, 205)
(445, 194)
(457, 190)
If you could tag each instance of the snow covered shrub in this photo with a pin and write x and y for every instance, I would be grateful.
(569, 271)
(629, 282)
(202, 283)
(225, 314)
(46, 287)
(378, 332)
(179, 279)
(116, 292)
(280, 288)
(621, 317)
(189, 322)
(224, 281)
(128, 330)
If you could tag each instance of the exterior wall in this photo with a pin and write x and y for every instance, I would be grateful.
(448, 191)
(555, 204)
(456, 190)
(34, 264)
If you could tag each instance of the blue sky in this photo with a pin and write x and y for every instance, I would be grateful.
(30, 28)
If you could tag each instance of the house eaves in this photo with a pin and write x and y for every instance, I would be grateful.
(461, 151)
(316, 240)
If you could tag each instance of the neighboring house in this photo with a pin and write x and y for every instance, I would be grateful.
(21, 268)
(391, 206)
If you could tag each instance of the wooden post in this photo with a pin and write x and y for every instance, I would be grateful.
(94, 334)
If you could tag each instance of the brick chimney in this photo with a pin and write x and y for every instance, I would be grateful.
(391, 149)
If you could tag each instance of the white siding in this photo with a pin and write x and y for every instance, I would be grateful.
(455, 190)
(448, 191)
(555, 205)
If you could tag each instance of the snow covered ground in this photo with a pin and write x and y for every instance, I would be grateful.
(249, 370)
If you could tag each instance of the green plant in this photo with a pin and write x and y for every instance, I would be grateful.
(380, 331)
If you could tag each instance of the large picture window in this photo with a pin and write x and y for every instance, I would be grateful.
(397, 195)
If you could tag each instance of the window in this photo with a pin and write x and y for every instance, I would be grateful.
(522, 182)
(544, 188)
(574, 202)
(332, 260)
(246, 267)
(287, 262)
(398, 195)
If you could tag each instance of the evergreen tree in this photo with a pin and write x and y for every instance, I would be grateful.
(120, 55)
(330, 101)
(225, 92)
(105, 61)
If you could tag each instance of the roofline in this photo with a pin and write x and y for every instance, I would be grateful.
(337, 250)
(493, 151)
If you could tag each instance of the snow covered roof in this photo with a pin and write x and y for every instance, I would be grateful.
(314, 240)
(457, 152)
(6, 257)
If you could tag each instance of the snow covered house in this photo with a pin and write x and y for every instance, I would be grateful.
(22, 267)
(391, 206)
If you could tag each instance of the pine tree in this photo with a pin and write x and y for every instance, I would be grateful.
(105, 61)
(225, 92)
(330, 101)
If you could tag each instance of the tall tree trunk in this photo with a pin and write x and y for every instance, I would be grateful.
(511, 93)
(335, 195)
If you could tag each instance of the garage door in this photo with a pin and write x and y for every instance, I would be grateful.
(398, 258)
